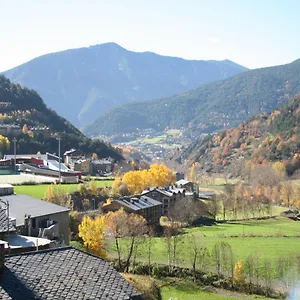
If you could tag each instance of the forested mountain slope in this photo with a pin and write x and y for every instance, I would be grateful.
(262, 139)
(80, 84)
(209, 107)
(24, 115)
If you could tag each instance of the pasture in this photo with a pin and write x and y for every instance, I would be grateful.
(269, 239)
(39, 190)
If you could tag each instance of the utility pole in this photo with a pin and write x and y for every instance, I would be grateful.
(59, 163)
(15, 154)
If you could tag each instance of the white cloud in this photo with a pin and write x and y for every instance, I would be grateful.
(214, 39)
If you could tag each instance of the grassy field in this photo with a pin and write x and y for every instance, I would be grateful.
(38, 191)
(181, 289)
(270, 239)
(190, 291)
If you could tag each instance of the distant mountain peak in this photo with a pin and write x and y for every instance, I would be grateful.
(82, 83)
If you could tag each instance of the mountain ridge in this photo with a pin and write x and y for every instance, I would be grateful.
(211, 106)
(83, 82)
(24, 115)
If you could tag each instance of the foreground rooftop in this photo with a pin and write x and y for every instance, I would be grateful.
(63, 273)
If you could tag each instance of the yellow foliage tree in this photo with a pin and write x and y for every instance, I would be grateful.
(162, 175)
(4, 143)
(238, 276)
(92, 232)
(119, 188)
(193, 172)
(279, 169)
(157, 175)
(25, 129)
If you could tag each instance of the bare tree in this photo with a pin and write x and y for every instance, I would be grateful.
(186, 210)
(135, 229)
(150, 238)
(249, 269)
(217, 254)
(173, 238)
(194, 248)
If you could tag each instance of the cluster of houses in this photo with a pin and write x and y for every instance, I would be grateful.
(88, 166)
(156, 202)
(36, 261)
(16, 130)
(69, 170)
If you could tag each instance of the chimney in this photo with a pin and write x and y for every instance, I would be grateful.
(2, 256)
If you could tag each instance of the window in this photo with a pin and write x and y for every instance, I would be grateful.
(33, 223)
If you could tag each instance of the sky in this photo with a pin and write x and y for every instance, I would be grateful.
(253, 33)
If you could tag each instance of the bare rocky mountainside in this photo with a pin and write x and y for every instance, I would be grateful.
(80, 84)
(210, 107)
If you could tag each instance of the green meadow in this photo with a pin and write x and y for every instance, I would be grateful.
(39, 190)
(269, 239)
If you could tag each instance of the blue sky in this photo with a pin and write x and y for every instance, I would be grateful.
(254, 33)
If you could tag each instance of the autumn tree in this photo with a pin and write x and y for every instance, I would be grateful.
(116, 223)
(238, 276)
(92, 232)
(137, 181)
(55, 194)
(286, 192)
(161, 175)
(25, 129)
(135, 229)
(119, 188)
(186, 210)
(131, 226)
(4, 143)
(74, 221)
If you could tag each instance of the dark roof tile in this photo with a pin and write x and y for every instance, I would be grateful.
(64, 273)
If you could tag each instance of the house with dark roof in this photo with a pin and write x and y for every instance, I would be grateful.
(13, 241)
(188, 186)
(61, 273)
(38, 218)
(166, 196)
(149, 208)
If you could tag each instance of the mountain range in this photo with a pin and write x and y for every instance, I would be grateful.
(80, 84)
(209, 107)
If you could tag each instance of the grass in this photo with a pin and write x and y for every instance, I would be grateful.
(183, 290)
(265, 237)
(180, 289)
(173, 131)
(39, 190)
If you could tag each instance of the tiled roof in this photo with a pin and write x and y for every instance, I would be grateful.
(64, 273)
(137, 203)
(21, 205)
(182, 182)
(4, 221)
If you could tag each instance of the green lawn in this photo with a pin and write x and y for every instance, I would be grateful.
(241, 236)
(182, 290)
(38, 191)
